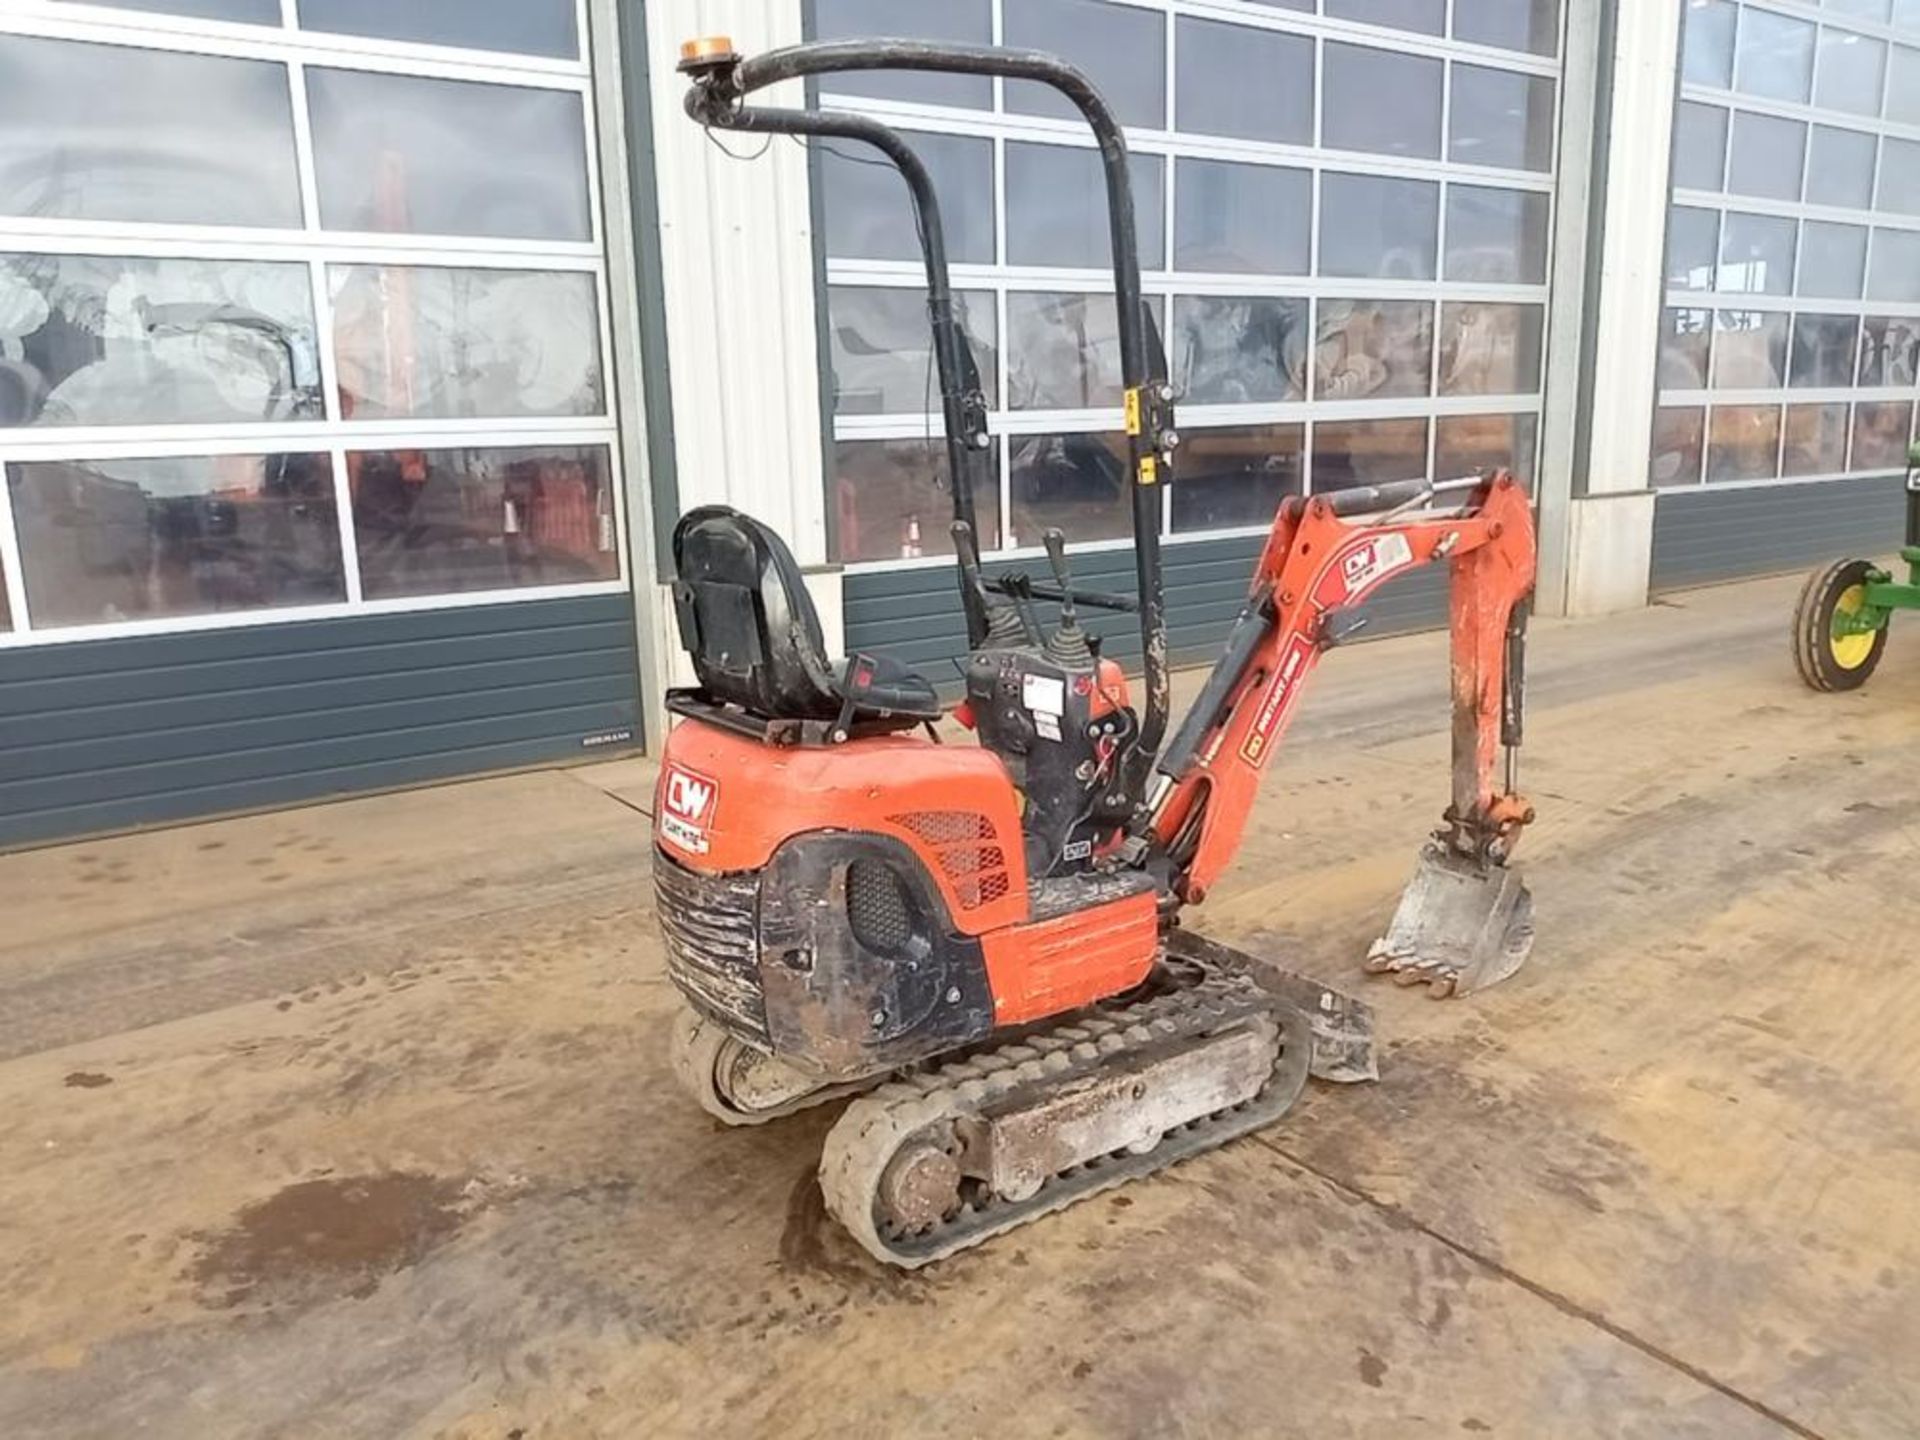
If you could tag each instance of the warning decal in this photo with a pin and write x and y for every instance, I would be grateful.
(1277, 703)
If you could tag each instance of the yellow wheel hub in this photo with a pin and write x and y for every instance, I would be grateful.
(1853, 649)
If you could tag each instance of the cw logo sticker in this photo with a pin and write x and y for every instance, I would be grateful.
(687, 804)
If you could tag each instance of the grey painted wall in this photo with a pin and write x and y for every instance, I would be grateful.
(1702, 536)
(111, 734)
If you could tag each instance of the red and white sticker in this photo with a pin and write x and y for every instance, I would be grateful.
(1361, 567)
(687, 803)
(1289, 677)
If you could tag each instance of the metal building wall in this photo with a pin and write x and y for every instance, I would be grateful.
(1704, 536)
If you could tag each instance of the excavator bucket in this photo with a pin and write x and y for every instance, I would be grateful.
(1461, 926)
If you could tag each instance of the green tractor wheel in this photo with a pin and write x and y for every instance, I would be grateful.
(1836, 644)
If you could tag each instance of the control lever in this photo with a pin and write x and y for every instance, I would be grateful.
(1000, 622)
(1068, 643)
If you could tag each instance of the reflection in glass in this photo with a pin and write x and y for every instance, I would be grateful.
(883, 349)
(1899, 177)
(1122, 49)
(1776, 57)
(1707, 55)
(1895, 271)
(109, 132)
(1815, 441)
(1076, 482)
(1850, 72)
(437, 344)
(1903, 86)
(1380, 101)
(452, 522)
(525, 27)
(1425, 16)
(868, 213)
(1769, 155)
(1252, 84)
(1479, 444)
(1496, 237)
(892, 500)
(1699, 147)
(1372, 227)
(1889, 351)
(1840, 168)
(1367, 452)
(402, 154)
(1750, 350)
(1685, 339)
(1232, 478)
(1374, 349)
(1242, 219)
(107, 541)
(6, 605)
(1530, 25)
(1756, 255)
(1880, 433)
(1679, 437)
(1057, 211)
(238, 12)
(1824, 350)
(1693, 241)
(104, 340)
(1488, 349)
(1063, 351)
(1833, 260)
(965, 22)
(1500, 117)
(1238, 351)
(1744, 443)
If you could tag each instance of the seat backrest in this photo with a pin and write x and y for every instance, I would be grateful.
(746, 618)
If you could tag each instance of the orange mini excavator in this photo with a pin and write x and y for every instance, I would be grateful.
(983, 943)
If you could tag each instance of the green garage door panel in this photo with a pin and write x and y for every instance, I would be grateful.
(914, 615)
(1704, 536)
(109, 734)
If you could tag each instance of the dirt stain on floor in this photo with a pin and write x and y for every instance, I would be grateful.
(328, 1237)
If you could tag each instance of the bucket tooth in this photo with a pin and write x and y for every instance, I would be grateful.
(1461, 926)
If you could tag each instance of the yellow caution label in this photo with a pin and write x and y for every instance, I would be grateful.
(1149, 470)
(1133, 413)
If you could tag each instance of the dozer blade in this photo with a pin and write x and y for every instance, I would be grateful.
(1342, 1026)
(1461, 926)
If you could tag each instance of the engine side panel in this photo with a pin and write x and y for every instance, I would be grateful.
(1058, 965)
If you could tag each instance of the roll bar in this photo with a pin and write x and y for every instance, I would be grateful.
(721, 82)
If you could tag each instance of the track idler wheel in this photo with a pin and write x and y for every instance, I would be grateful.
(739, 1085)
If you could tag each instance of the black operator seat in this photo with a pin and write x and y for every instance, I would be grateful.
(749, 625)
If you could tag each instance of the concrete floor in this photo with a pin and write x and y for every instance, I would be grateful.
(355, 1121)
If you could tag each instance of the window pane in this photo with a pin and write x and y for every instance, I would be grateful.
(1693, 240)
(1699, 147)
(1815, 441)
(1227, 479)
(1367, 452)
(1235, 80)
(1745, 443)
(1895, 271)
(1749, 350)
(1852, 70)
(242, 12)
(1889, 351)
(1707, 55)
(1532, 25)
(1679, 436)
(452, 522)
(1685, 339)
(1776, 57)
(1500, 118)
(1374, 349)
(1906, 14)
(1833, 260)
(869, 215)
(1491, 349)
(1426, 16)
(1063, 351)
(1057, 210)
(1903, 86)
(1840, 168)
(1374, 227)
(1769, 155)
(882, 346)
(1381, 101)
(1824, 350)
(1232, 351)
(435, 344)
(526, 27)
(967, 22)
(1756, 255)
(1122, 49)
(397, 153)
(892, 500)
(1899, 177)
(1880, 434)
(1076, 482)
(1479, 444)
(1496, 237)
(1251, 219)
(104, 541)
(1874, 10)
(6, 605)
(188, 139)
(101, 340)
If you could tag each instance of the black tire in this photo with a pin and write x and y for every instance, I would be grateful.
(1814, 654)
